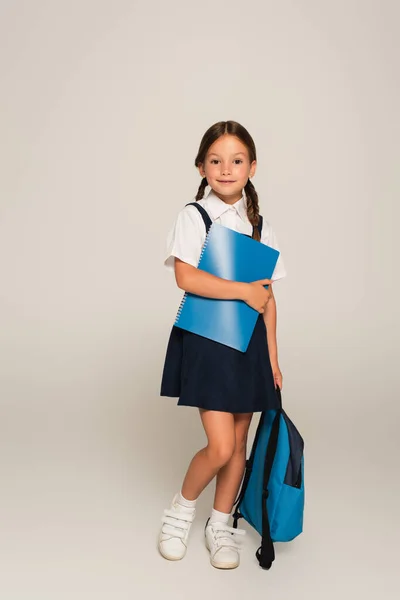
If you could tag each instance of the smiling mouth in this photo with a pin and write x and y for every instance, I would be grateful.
(219, 181)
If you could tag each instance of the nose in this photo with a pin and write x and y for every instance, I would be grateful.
(226, 170)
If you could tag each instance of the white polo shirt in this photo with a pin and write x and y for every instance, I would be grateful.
(186, 237)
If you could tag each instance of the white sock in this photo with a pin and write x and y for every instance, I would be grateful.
(183, 502)
(219, 517)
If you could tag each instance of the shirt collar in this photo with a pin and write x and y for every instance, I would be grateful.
(217, 206)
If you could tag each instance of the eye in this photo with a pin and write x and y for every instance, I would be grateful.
(215, 160)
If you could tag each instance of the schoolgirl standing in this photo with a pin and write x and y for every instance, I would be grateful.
(226, 385)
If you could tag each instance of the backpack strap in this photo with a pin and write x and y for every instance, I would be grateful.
(260, 225)
(204, 214)
(265, 553)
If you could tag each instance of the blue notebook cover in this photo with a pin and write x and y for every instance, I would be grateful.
(234, 256)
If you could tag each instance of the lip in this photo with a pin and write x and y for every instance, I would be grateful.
(220, 181)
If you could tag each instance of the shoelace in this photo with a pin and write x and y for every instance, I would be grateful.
(176, 523)
(227, 536)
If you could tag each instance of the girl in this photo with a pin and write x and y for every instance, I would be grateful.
(227, 386)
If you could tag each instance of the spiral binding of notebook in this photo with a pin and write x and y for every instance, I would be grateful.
(185, 294)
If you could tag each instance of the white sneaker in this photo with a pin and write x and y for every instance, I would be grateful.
(174, 534)
(224, 545)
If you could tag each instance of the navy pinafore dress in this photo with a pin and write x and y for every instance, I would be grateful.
(209, 375)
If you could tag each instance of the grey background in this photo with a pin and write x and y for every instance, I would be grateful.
(102, 108)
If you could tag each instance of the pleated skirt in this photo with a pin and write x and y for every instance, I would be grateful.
(206, 374)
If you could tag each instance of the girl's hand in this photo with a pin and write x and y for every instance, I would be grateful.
(256, 295)
(277, 375)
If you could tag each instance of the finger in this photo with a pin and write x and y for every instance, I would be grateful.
(263, 281)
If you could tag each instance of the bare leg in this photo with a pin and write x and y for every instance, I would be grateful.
(230, 475)
(220, 430)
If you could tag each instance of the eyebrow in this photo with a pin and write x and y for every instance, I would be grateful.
(236, 154)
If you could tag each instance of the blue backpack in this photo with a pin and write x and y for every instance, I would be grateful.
(271, 498)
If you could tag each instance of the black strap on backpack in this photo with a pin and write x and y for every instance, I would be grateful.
(208, 222)
(265, 553)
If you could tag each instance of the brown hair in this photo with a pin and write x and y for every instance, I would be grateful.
(210, 136)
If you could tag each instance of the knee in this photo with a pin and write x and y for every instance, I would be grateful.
(221, 454)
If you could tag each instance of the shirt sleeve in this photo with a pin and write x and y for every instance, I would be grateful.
(269, 238)
(186, 238)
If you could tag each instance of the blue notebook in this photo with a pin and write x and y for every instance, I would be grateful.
(234, 256)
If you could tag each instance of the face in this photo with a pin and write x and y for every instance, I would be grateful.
(227, 168)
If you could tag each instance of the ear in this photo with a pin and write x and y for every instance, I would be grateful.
(253, 168)
(201, 170)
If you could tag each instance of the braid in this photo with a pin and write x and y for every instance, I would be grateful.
(202, 187)
(252, 208)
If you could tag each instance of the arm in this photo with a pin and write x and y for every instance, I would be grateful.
(270, 320)
(270, 323)
(195, 281)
